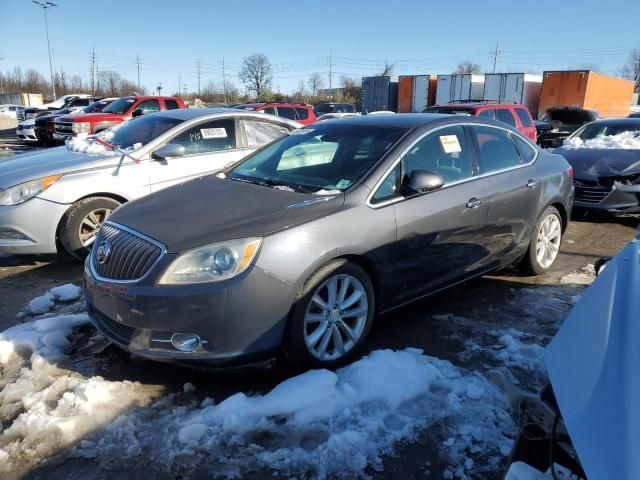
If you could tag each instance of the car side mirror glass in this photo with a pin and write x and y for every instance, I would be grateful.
(421, 181)
(170, 150)
(138, 112)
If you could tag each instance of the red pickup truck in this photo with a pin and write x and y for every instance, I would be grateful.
(119, 111)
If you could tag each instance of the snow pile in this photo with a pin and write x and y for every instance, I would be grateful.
(517, 354)
(84, 144)
(624, 140)
(62, 293)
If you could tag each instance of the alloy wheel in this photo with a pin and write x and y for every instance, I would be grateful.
(336, 317)
(548, 242)
(90, 225)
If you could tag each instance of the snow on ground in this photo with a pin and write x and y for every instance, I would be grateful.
(318, 424)
(624, 140)
(62, 293)
(522, 471)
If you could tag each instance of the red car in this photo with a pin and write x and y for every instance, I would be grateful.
(119, 111)
(518, 116)
(298, 112)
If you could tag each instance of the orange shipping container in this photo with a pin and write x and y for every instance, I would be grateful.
(609, 96)
(415, 92)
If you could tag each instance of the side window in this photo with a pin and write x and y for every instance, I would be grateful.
(525, 117)
(444, 151)
(148, 106)
(287, 112)
(302, 112)
(171, 104)
(389, 188)
(505, 116)
(270, 110)
(497, 151)
(258, 133)
(488, 113)
(213, 136)
(527, 151)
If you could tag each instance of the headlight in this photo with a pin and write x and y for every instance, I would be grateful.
(25, 191)
(212, 263)
(81, 127)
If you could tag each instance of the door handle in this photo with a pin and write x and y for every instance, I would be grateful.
(474, 203)
(532, 183)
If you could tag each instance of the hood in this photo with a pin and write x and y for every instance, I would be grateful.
(592, 163)
(210, 209)
(593, 367)
(30, 166)
(93, 117)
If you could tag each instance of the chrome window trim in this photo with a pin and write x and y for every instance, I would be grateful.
(163, 252)
(452, 184)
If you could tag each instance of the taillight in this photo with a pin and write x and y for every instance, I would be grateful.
(571, 171)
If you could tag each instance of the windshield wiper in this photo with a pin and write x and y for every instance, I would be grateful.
(271, 183)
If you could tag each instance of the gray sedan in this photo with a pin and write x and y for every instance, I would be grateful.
(57, 199)
(300, 245)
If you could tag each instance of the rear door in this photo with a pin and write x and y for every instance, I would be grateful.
(209, 147)
(441, 235)
(513, 188)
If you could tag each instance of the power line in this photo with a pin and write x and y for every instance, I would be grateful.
(138, 68)
(495, 53)
(198, 73)
(93, 70)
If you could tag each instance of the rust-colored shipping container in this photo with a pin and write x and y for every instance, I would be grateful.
(415, 93)
(609, 96)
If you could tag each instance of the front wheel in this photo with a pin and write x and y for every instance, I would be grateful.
(332, 316)
(80, 225)
(545, 243)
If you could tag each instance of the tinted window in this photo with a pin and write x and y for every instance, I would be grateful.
(171, 104)
(207, 137)
(505, 116)
(330, 157)
(599, 129)
(149, 106)
(449, 110)
(141, 131)
(95, 107)
(258, 133)
(444, 152)
(488, 113)
(389, 188)
(120, 106)
(270, 110)
(302, 112)
(525, 117)
(80, 102)
(497, 151)
(287, 112)
(527, 151)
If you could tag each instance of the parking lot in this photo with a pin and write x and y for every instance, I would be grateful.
(496, 323)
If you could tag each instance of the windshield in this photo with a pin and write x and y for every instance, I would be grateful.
(120, 106)
(321, 158)
(449, 110)
(95, 107)
(142, 130)
(594, 130)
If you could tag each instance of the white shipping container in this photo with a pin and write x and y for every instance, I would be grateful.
(523, 88)
(459, 87)
(420, 93)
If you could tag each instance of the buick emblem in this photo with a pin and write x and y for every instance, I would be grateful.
(103, 252)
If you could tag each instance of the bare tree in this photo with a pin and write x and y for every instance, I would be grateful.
(387, 71)
(255, 73)
(34, 82)
(631, 69)
(315, 83)
(467, 67)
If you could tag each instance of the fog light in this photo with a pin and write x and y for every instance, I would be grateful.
(186, 342)
(11, 234)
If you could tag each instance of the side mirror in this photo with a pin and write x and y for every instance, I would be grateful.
(421, 181)
(138, 112)
(170, 150)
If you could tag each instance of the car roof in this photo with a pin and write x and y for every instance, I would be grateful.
(185, 114)
(630, 122)
(410, 120)
(479, 105)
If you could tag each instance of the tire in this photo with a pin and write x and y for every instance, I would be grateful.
(70, 226)
(536, 262)
(303, 343)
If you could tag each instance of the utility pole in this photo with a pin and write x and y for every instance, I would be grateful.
(330, 69)
(93, 70)
(159, 88)
(138, 67)
(45, 6)
(62, 81)
(224, 82)
(1, 76)
(179, 85)
(495, 54)
(199, 74)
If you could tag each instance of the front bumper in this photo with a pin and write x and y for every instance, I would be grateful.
(28, 134)
(618, 199)
(30, 227)
(61, 137)
(240, 321)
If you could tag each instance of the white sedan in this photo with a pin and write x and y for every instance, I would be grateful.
(9, 111)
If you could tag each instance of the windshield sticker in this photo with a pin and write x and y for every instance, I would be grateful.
(213, 132)
(343, 184)
(450, 144)
(302, 131)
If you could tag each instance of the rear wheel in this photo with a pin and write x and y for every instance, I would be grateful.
(332, 316)
(545, 243)
(80, 225)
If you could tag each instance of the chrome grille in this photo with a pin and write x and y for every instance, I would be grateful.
(591, 192)
(64, 128)
(130, 256)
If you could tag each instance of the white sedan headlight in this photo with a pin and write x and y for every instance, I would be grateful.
(81, 127)
(212, 263)
(25, 191)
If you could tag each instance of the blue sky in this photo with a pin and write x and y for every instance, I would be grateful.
(419, 37)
